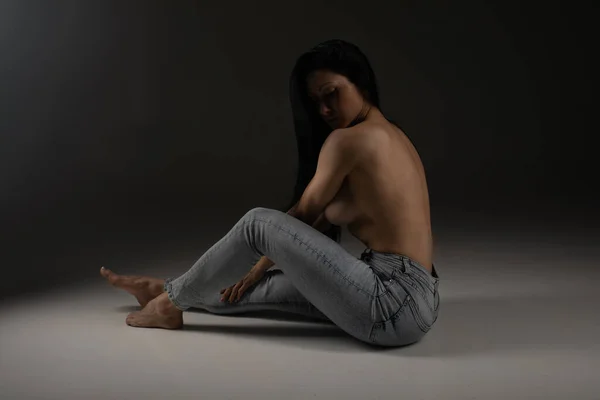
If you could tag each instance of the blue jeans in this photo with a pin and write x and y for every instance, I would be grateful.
(380, 298)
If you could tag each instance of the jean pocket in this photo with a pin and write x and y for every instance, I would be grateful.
(388, 300)
(423, 315)
(423, 294)
(399, 330)
(426, 284)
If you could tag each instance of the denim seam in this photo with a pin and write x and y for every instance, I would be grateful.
(168, 289)
(424, 282)
(295, 237)
(211, 250)
(372, 332)
(396, 315)
(423, 326)
(191, 289)
(408, 281)
(386, 293)
(382, 295)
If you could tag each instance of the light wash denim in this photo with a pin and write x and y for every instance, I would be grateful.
(380, 298)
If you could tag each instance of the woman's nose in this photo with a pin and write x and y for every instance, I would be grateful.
(324, 110)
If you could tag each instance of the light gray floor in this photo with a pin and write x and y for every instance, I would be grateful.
(519, 320)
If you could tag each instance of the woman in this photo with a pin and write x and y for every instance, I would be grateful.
(356, 169)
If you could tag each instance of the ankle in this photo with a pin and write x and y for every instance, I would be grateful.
(165, 304)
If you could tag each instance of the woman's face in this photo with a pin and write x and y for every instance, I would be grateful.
(337, 100)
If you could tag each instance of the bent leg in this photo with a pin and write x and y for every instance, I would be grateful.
(338, 284)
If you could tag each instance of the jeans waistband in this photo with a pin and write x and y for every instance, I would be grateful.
(384, 262)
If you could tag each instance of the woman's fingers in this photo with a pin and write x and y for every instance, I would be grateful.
(234, 291)
(242, 290)
(225, 293)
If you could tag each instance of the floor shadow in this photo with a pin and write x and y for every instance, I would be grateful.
(273, 315)
(504, 325)
(296, 330)
(464, 326)
(267, 315)
(322, 337)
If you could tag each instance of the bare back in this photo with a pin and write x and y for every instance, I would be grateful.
(384, 201)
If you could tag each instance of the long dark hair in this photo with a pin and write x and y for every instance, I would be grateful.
(311, 130)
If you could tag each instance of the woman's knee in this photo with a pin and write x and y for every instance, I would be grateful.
(261, 213)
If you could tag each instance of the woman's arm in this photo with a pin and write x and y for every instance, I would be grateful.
(292, 210)
(321, 223)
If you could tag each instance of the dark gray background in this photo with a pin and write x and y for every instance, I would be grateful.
(128, 127)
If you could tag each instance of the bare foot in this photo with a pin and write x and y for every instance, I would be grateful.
(158, 313)
(142, 287)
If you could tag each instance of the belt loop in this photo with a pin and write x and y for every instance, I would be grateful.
(435, 276)
(405, 265)
(367, 254)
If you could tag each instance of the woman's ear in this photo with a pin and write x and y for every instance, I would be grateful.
(365, 94)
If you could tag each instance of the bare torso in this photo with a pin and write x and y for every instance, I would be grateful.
(384, 201)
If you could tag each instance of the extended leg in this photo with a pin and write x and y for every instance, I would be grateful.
(143, 288)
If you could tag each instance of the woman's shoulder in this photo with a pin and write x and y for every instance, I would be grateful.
(371, 128)
(370, 133)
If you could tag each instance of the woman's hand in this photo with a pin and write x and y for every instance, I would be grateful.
(235, 292)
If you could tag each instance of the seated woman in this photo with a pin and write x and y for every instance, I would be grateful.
(365, 174)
